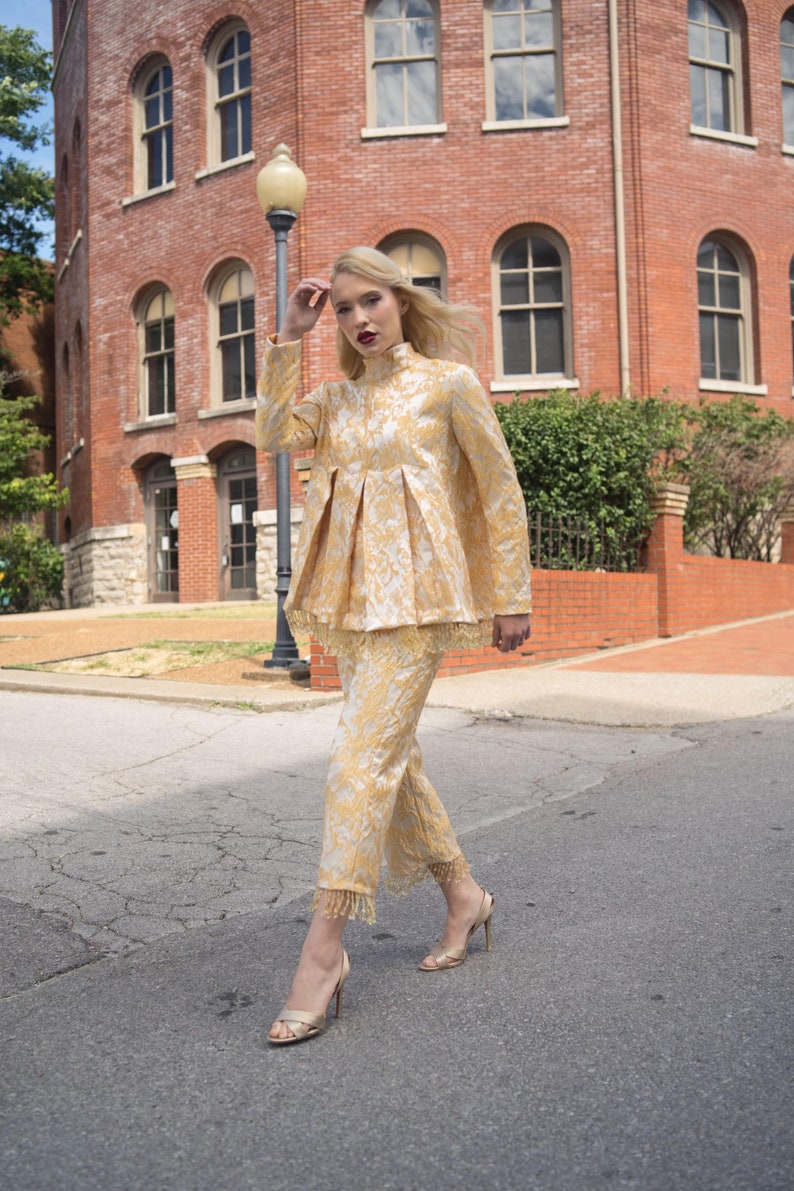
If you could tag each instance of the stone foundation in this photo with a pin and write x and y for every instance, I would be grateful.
(266, 551)
(106, 566)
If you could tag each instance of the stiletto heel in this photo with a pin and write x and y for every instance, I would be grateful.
(453, 957)
(308, 1025)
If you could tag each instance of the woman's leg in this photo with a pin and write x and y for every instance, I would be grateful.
(318, 968)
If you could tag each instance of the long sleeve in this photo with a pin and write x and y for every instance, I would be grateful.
(480, 437)
(280, 424)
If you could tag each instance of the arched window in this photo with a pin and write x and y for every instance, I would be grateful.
(791, 299)
(787, 75)
(724, 312)
(230, 65)
(157, 354)
(236, 356)
(420, 257)
(404, 63)
(714, 67)
(523, 42)
(533, 304)
(156, 122)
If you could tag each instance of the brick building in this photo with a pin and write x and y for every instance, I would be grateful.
(608, 180)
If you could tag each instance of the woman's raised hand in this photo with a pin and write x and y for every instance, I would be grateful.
(304, 306)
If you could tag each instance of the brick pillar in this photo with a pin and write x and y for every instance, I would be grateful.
(787, 537)
(197, 502)
(665, 553)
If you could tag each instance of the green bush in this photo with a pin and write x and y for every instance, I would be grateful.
(598, 461)
(31, 568)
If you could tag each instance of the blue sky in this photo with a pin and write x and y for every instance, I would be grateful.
(35, 15)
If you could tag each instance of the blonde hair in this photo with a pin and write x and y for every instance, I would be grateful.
(433, 327)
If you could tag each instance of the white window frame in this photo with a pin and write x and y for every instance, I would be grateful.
(144, 412)
(215, 101)
(492, 123)
(504, 381)
(373, 129)
(145, 75)
(222, 275)
(733, 71)
(746, 381)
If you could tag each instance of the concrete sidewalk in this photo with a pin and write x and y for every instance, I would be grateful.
(729, 672)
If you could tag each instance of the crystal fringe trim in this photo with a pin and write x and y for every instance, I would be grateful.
(413, 638)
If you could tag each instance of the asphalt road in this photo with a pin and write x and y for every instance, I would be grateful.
(631, 1029)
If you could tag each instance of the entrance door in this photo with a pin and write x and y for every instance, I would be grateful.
(237, 474)
(163, 528)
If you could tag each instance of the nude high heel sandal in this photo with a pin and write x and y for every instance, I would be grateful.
(308, 1025)
(453, 957)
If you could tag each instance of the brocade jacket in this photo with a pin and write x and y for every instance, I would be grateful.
(414, 515)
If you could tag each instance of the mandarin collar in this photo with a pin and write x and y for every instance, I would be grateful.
(395, 359)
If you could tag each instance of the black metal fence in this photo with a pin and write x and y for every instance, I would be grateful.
(569, 544)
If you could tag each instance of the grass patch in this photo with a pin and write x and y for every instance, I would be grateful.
(247, 611)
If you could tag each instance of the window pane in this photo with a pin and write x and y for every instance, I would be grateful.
(538, 30)
(421, 82)
(170, 404)
(706, 289)
(228, 118)
(548, 287)
(713, 15)
(250, 366)
(168, 133)
(540, 86)
(788, 115)
(719, 45)
(230, 356)
(697, 41)
(388, 39)
(419, 37)
(515, 343)
(507, 32)
(516, 255)
(244, 73)
(708, 360)
(729, 291)
(508, 88)
(696, 10)
(728, 330)
(152, 112)
(787, 61)
(549, 341)
(168, 334)
(228, 319)
(725, 259)
(389, 86)
(245, 123)
(388, 9)
(247, 314)
(226, 80)
(544, 254)
(243, 42)
(152, 338)
(706, 255)
(154, 168)
(418, 8)
(719, 111)
(514, 289)
(697, 89)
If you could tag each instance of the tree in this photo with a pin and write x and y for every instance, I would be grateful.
(740, 470)
(26, 192)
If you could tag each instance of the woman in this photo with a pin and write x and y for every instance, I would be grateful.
(413, 541)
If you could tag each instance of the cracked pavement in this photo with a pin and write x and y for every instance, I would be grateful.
(130, 821)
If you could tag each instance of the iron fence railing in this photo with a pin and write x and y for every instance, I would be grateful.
(570, 544)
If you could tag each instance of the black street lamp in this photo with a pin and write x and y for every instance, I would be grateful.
(281, 190)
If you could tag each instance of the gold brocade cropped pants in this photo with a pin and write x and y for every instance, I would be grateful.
(378, 798)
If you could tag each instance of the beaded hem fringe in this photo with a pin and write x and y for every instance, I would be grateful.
(349, 904)
(345, 903)
(436, 638)
(443, 870)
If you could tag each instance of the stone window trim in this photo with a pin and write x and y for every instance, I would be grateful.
(239, 97)
(243, 406)
(144, 195)
(534, 384)
(406, 58)
(210, 170)
(730, 138)
(524, 53)
(523, 125)
(528, 380)
(731, 386)
(703, 66)
(153, 423)
(787, 76)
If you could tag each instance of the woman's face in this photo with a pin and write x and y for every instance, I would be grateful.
(368, 314)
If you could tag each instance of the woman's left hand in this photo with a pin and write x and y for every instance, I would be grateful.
(509, 632)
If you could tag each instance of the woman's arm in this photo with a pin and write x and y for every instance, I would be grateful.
(281, 425)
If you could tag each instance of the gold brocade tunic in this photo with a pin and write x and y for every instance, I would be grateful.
(414, 515)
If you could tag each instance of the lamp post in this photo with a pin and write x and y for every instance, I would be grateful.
(281, 190)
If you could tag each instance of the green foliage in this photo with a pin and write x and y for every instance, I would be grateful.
(740, 469)
(21, 492)
(31, 570)
(595, 460)
(26, 193)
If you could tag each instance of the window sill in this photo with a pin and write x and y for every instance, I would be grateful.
(534, 384)
(153, 423)
(788, 150)
(243, 406)
(515, 125)
(147, 194)
(70, 253)
(732, 138)
(371, 134)
(731, 387)
(221, 166)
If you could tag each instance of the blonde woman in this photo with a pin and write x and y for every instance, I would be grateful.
(413, 541)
